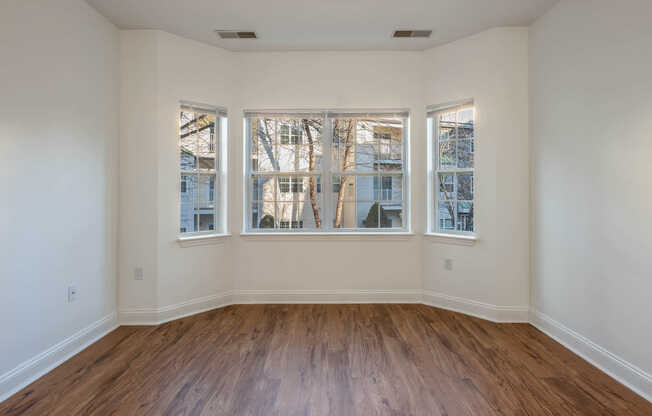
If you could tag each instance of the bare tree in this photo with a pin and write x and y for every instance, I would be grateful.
(311, 168)
(348, 145)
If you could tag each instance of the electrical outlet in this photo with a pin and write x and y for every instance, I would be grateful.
(138, 273)
(72, 294)
(448, 264)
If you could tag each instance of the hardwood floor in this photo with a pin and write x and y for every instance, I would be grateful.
(326, 360)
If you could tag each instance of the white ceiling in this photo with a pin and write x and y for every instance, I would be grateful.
(321, 24)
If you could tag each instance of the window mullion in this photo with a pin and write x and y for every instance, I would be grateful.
(455, 190)
(276, 139)
(216, 166)
(405, 192)
(379, 178)
(248, 180)
(196, 210)
(326, 173)
(435, 161)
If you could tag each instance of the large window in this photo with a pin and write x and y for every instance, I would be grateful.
(452, 169)
(201, 163)
(358, 158)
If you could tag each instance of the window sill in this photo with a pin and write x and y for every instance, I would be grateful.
(202, 240)
(329, 236)
(455, 239)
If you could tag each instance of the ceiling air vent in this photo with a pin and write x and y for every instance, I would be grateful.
(236, 34)
(412, 33)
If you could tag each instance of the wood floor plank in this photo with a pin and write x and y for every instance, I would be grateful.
(327, 360)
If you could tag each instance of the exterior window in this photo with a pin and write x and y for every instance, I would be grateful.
(291, 132)
(295, 224)
(291, 185)
(201, 131)
(358, 157)
(383, 185)
(453, 177)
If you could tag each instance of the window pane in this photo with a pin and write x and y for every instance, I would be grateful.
(446, 186)
(292, 188)
(390, 137)
(187, 159)
(188, 188)
(344, 147)
(446, 215)
(465, 216)
(354, 147)
(367, 144)
(345, 188)
(301, 213)
(207, 188)
(447, 154)
(448, 116)
(263, 214)
(205, 130)
(187, 131)
(465, 186)
(263, 145)
(465, 122)
(187, 223)
(368, 188)
(391, 215)
(286, 214)
(285, 133)
(263, 188)
(391, 188)
(447, 126)
(294, 158)
(205, 207)
(362, 188)
(465, 153)
(291, 131)
(206, 218)
(368, 215)
(345, 215)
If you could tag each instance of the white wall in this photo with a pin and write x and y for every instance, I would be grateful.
(58, 173)
(195, 72)
(591, 105)
(158, 71)
(492, 69)
(326, 80)
(139, 142)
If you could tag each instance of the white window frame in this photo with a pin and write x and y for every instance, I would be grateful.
(220, 191)
(432, 127)
(324, 176)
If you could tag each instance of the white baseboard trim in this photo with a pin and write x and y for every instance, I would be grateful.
(326, 296)
(157, 316)
(626, 373)
(29, 371)
(504, 314)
